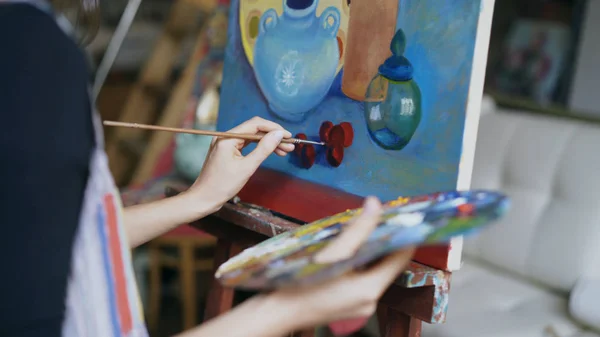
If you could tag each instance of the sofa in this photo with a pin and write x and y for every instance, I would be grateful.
(536, 273)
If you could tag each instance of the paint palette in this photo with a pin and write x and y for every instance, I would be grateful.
(288, 259)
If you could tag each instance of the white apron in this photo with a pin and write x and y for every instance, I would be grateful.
(102, 297)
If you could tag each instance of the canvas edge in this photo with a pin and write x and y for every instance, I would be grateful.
(471, 127)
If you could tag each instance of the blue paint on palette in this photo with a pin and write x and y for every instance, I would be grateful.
(440, 42)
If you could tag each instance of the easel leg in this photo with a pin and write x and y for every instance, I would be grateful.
(188, 284)
(396, 324)
(155, 287)
(220, 299)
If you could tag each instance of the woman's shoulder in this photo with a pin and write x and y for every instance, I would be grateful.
(44, 77)
(34, 46)
(26, 28)
(24, 18)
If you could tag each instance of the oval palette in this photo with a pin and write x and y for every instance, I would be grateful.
(288, 259)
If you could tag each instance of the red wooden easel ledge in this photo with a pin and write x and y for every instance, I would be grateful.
(308, 201)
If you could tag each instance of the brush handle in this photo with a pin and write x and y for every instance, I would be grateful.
(245, 136)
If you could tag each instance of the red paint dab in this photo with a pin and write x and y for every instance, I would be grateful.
(299, 147)
(348, 133)
(336, 139)
(336, 136)
(309, 155)
(335, 155)
(324, 131)
(466, 209)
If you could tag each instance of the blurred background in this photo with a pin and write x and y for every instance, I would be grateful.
(160, 62)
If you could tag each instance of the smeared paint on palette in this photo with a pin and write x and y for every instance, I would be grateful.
(287, 259)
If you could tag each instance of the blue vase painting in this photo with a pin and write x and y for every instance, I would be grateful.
(296, 55)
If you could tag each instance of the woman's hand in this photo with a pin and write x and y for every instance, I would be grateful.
(354, 295)
(226, 170)
(224, 173)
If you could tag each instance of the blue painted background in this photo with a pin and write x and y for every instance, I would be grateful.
(440, 43)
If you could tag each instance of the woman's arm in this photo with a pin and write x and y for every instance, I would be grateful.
(223, 175)
(147, 221)
(261, 316)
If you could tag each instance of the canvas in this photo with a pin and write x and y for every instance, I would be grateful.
(392, 86)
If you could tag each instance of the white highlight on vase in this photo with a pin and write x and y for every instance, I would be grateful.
(289, 74)
(375, 114)
(407, 107)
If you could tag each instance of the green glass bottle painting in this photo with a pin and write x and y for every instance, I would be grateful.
(393, 100)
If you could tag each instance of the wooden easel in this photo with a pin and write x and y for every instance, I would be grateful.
(152, 86)
(418, 295)
(186, 263)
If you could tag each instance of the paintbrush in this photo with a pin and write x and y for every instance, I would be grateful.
(245, 136)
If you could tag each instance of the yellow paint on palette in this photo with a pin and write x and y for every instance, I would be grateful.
(311, 268)
(237, 262)
(320, 224)
(314, 248)
(250, 12)
(340, 218)
(398, 202)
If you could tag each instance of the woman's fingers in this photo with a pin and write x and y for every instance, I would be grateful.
(267, 145)
(259, 125)
(386, 271)
(346, 244)
(285, 147)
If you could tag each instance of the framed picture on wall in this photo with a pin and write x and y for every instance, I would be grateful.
(533, 59)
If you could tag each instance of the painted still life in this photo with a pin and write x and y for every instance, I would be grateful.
(383, 83)
(287, 259)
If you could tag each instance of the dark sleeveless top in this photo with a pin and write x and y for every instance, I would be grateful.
(46, 142)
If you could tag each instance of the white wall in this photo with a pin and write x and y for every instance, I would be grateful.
(585, 89)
